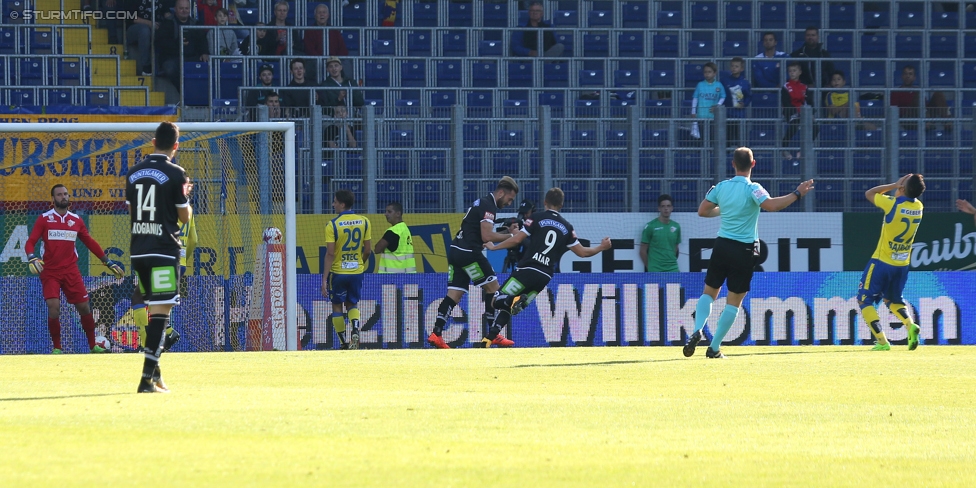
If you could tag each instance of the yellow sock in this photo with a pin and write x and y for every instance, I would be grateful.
(873, 320)
(901, 311)
(353, 314)
(141, 314)
(338, 323)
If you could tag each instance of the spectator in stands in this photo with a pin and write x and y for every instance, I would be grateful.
(281, 36)
(207, 11)
(526, 42)
(839, 103)
(273, 101)
(267, 43)
(299, 98)
(708, 94)
(111, 24)
(265, 85)
(234, 20)
(335, 95)
(139, 35)
(794, 96)
(765, 74)
(906, 98)
(738, 96)
(813, 48)
(388, 12)
(338, 128)
(313, 37)
(222, 40)
(168, 40)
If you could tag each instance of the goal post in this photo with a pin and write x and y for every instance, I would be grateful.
(244, 176)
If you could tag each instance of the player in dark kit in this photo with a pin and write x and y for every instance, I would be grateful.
(466, 262)
(551, 236)
(156, 190)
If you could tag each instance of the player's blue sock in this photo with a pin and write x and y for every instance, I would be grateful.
(702, 311)
(724, 324)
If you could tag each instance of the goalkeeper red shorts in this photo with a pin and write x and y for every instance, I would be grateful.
(69, 281)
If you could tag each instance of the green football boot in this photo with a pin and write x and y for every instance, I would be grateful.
(56, 351)
(913, 331)
(881, 347)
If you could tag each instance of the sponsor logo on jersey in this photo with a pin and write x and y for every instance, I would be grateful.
(555, 224)
(71, 223)
(153, 174)
(489, 216)
(62, 235)
(913, 213)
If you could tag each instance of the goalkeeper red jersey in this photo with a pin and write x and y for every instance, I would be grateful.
(58, 234)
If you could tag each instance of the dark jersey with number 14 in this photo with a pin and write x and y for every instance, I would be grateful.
(483, 209)
(551, 236)
(154, 189)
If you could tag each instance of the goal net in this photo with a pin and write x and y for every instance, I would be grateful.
(236, 293)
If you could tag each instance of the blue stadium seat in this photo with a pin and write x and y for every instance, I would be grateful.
(354, 167)
(704, 15)
(596, 45)
(685, 194)
(687, 163)
(829, 197)
(383, 47)
(10, 6)
(833, 134)
(402, 138)
(583, 138)
(406, 108)
(634, 15)
(871, 78)
(231, 74)
(196, 84)
(878, 19)
(693, 74)
(441, 103)
(867, 163)
(575, 196)
(969, 45)
(426, 196)
(31, 72)
(388, 191)
(101, 98)
(488, 49)
(472, 162)
(479, 103)
(70, 74)
(613, 163)
(395, 163)
(599, 18)
(3, 73)
(484, 75)
(626, 78)
(495, 14)
(579, 163)
(565, 19)
(8, 41)
(377, 73)
(587, 108)
(413, 73)
(58, 96)
(763, 137)
(554, 136)
(738, 15)
(460, 14)
(840, 44)
(658, 108)
(449, 72)
(616, 138)
(908, 46)
(556, 100)
(589, 77)
(735, 48)
(841, 16)
(437, 135)
(808, 13)
(424, 14)
(21, 97)
(454, 43)
(938, 163)
(872, 108)
(350, 38)
(938, 77)
(566, 39)
(938, 194)
(830, 162)
(511, 138)
(377, 103)
(612, 194)
(945, 20)
(663, 78)
(942, 46)
(874, 46)
(504, 163)
(651, 163)
(938, 138)
(419, 43)
(911, 19)
(868, 138)
(772, 15)
(520, 74)
(654, 138)
(668, 18)
(966, 164)
(555, 75)
(701, 49)
(630, 44)
(665, 46)
(515, 108)
(475, 135)
(40, 40)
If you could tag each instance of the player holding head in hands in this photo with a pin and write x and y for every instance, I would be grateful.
(348, 245)
(157, 192)
(466, 262)
(887, 271)
(737, 201)
(552, 235)
(58, 229)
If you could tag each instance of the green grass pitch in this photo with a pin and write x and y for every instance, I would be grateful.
(606, 416)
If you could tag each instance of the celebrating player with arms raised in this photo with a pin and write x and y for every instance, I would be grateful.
(58, 229)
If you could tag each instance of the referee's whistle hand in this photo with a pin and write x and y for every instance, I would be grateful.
(805, 187)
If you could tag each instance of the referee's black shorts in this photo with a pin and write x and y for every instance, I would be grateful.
(731, 263)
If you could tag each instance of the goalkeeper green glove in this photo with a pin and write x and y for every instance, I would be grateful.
(35, 264)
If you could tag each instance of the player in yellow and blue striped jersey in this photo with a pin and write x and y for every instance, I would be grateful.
(348, 244)
(885, 276)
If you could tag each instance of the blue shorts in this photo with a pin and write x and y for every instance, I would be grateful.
(345, 287)
(882, 280)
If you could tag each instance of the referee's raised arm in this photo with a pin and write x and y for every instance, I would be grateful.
(779, 203)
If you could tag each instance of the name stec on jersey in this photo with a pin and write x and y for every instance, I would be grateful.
(154, 174)
(147, 228)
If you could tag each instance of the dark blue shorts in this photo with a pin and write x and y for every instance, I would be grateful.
(882, 280)
(345, 287)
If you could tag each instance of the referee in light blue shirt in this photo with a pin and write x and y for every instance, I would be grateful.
(738, 202)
